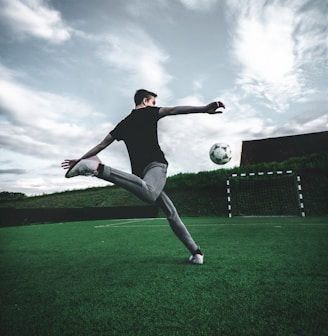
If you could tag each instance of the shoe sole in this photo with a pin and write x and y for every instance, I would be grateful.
(196, 261)
(70, 169)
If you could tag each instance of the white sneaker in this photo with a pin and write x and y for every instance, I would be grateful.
(197, 259)
(86, 167)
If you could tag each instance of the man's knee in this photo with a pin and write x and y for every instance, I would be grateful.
(167, 206)
(149, 196)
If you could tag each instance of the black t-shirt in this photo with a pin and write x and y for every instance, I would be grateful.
(139, 132)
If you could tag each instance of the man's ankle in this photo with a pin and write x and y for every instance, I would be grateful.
(198, 251)
(100, 170)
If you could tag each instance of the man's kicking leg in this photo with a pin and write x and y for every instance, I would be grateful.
(147, 188)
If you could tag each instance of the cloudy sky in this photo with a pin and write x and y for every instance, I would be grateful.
(69, 70)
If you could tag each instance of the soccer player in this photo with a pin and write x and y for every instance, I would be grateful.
(149, 166)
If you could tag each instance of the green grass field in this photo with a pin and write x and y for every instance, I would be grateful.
(262, 276)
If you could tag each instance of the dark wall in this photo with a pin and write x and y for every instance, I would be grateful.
(11, 216)
(283, 148)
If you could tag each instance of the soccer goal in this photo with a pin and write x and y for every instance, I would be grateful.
(265, 194)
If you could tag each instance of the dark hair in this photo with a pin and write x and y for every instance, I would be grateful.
(141, 94)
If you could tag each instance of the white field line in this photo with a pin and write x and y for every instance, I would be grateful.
(133, 224)
(136, 220)
(163, 225)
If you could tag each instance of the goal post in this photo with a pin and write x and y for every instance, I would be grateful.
(274, 193)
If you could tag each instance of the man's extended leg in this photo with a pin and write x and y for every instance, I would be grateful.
(147, 189)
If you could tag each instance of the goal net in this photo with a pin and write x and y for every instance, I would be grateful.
(265, 194)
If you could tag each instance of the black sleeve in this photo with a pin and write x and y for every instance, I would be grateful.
(118, 132)
(155, 111)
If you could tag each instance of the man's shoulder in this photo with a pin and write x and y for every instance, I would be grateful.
(148, 111)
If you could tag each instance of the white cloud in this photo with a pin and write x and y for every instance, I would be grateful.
(39, 129)
(311, 33)
(34, 18)
(272, 44)
(200, 5)
(39, 123)
(266, 48)
(135, 53)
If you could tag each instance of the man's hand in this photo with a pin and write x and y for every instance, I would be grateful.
(67, 164)
(212, 107)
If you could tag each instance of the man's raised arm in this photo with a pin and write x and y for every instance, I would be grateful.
(211, 108)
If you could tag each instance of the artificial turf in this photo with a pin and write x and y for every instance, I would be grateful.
(264, 276)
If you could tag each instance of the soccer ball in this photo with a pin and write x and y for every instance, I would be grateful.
(220, 153)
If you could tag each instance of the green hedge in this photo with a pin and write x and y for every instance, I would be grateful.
(194, 194)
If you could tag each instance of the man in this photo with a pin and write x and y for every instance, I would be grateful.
(149, 166)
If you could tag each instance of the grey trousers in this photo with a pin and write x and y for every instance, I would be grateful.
(150, 190)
